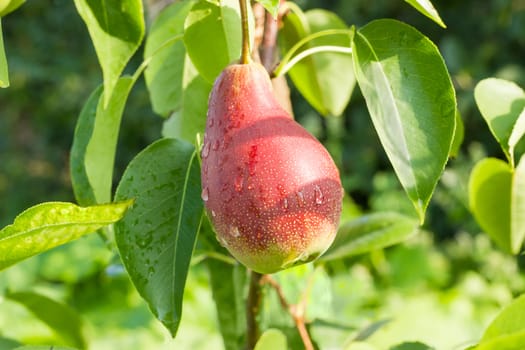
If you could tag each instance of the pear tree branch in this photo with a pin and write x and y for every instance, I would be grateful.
(296, 311)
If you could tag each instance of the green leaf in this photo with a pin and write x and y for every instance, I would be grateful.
(4, 74)
(490, 199)
(116, 29)
(212, 36)
(84, 192)
(8, 344)
(512, 341)
(191, 118)
(326, 80)
(517, 132)
(8, 6)
(370, 232)
(497, 200)
(357, 345)
(95, 142)
(272, 339)
(459, 134)
(51, 224)
(507, 331)
(411, 100)
(517, 207)
(271, 6)
(157, 237)
(228, 285)
(411, 346)
(370, 329)
(42, 347)
(426, 8)
(61, 318)
(166, 49)
(501, 103)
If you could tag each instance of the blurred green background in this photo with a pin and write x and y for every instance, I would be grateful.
(448, 279)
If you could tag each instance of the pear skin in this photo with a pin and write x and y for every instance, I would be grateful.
(271, 190)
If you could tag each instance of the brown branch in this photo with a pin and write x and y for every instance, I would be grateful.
(265, 50)
(296, 311)
(268, 48)
(253, 304)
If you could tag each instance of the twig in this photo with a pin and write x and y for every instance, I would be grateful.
(296, 311)
(253, 305)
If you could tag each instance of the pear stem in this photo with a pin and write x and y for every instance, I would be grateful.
(245, 53)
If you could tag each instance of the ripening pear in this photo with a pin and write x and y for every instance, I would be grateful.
(271, 190)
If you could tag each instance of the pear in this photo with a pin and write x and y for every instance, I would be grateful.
(271, 190)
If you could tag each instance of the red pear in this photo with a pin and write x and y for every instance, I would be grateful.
(271, 190)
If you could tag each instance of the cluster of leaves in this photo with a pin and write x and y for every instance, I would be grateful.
(414, 116)
(497, 188)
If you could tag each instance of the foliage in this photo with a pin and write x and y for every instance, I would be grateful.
(497, 188)
(351, 297)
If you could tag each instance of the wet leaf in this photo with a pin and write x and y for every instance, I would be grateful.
(51, 224)
(157, 237)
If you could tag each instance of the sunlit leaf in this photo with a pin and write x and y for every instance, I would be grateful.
(507, 331)
(48, 225)
(157, 237)
(4, 74)
(411, 100)
(116, 29)
(84, 192)
(190, 119)
(517, 207)
(517, 132)
(212, 36)
(95, 143)
(8, 6)
(42, 347)
(512, 341)
(497, 200)
(426, 8)
(358, 345)
(64, 320)
(166, 49)
(459, 134)
(370, 232)
(490, 199)
(272, 339)
(501, 103)
(326, 80)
